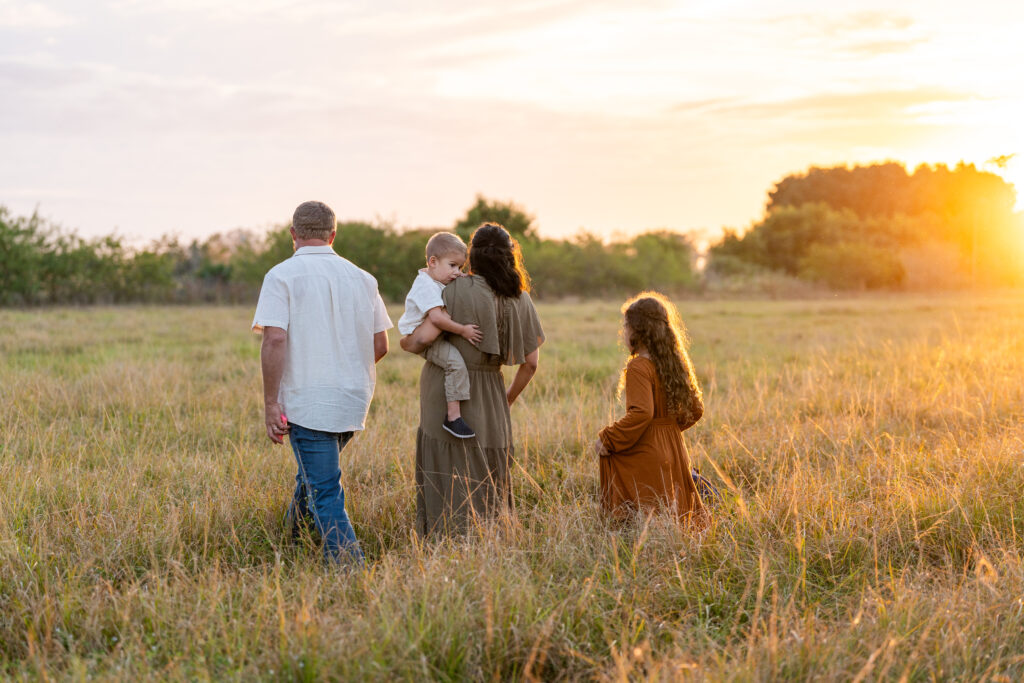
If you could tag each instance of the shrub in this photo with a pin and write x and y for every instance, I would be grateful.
(852, 265)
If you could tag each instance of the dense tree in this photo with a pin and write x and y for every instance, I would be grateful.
(882, 209)
(20, 259)
(43, 265)
(509, 214)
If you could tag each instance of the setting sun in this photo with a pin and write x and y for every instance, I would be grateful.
(609, 118)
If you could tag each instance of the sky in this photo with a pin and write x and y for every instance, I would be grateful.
(189, 117)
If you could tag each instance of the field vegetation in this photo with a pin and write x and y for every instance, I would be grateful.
(870, 451)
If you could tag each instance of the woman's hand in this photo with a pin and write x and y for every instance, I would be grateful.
(599, 448)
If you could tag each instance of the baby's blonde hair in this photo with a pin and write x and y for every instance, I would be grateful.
(445, 243)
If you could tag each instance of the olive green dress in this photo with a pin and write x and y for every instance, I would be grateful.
(462, 480)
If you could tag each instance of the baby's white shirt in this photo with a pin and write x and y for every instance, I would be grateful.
(424, 295)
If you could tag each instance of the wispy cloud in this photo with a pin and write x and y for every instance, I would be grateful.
(864, 33)
(861, 106)
(31, 15)
(884, 47)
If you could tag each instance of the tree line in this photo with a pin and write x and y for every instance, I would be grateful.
(864, 227)
(40, 264)
(878, 226)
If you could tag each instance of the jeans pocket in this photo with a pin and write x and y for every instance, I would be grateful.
(306, 434)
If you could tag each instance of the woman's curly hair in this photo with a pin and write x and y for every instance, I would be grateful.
(655, 325)
(495, 255)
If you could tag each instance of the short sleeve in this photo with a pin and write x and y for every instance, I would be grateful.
(425, 294)
(381, 321)
(272, 306)
(526, 333)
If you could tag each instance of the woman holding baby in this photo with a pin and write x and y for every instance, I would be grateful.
(461, 480)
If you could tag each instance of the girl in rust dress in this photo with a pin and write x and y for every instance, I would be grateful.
(644, 464)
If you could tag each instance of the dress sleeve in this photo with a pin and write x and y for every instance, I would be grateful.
(465, 303)
(624, 433)
(524, 332)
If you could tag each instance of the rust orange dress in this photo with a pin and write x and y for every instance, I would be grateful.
(647, 467)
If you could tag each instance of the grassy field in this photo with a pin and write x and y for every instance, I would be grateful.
(871, 452)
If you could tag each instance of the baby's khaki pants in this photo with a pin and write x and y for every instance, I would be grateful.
(444, 355)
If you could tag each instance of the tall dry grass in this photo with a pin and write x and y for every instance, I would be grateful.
(870, 451)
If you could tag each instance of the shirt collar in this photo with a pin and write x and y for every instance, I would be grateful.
(326, 249)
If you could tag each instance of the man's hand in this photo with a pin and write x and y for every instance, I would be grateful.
(277, 423)
(599, 448)
(472, 334)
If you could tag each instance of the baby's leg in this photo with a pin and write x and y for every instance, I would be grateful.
(456, 377)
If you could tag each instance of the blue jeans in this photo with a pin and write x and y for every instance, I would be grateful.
(318, 491)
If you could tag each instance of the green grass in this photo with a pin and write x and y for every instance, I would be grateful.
(871, 451)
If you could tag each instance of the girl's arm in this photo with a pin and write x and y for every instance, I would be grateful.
(624, 433)
(523, 376)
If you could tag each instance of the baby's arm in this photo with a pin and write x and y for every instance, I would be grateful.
(440, 319)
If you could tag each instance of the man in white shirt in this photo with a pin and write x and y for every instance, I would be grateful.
(324, 327)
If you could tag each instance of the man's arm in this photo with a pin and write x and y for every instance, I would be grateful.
(380, 345)
(272, 355)
(440, 318)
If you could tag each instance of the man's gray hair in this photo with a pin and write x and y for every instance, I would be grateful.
(314, 221)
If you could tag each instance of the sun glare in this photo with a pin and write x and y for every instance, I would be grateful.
(1014, 174)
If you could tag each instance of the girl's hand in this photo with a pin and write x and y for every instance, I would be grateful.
(599, 449)
(472, 334)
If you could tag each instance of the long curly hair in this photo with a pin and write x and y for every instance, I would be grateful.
(495, 255)
(655, 325)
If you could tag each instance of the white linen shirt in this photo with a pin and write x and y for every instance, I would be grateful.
(330, 310)
(424, 295)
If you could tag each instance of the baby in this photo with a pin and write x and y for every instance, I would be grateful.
(446, 254)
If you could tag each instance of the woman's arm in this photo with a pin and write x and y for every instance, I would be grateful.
(523, 376)
(624, 433)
